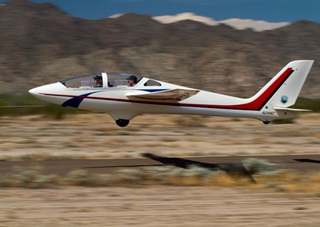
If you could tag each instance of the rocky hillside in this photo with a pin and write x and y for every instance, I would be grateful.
(39, 43)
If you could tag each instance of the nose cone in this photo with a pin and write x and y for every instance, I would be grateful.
(35, 91)
(41, 91)
(46, 89)
(50, 92)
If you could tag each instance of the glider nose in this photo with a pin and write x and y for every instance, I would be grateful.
(42, 90)
(50, 93)
(35, 91)
(39, 91)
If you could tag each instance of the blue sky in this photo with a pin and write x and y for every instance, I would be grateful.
(268, 10)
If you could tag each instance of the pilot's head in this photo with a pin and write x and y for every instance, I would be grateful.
(132, 80)
(98, 79)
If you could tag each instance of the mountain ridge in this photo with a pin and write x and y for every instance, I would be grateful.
(44, 44)
(237, 23)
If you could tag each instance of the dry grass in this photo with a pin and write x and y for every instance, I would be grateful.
(292, 182)
(84, 136)
(169, 139)
(96, 135)
(191, 121)
(266, 177)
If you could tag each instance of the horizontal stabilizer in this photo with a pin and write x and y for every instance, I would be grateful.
(291, 109)
(285, 112)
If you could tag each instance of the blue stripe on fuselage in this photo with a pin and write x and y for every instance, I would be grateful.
(75, 101)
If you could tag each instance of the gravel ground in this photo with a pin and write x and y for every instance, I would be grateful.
(96, 136)
(156, 206)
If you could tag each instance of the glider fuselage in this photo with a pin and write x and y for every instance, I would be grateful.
(124, 102)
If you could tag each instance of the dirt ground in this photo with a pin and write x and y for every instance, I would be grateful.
(96, 136)
(156, 206)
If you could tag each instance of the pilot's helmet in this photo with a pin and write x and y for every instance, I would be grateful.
(134, 78)
(97, 77)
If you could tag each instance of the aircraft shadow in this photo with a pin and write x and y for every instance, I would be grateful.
(232, 169)
(307, 160)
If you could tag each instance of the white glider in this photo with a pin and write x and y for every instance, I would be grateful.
(123, 102)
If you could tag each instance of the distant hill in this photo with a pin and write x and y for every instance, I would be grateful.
(39, 43)
(256, 25)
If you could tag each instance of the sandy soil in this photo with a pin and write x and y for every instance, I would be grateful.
(156, 206)
(95, 135)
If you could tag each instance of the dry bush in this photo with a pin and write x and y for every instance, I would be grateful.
(259, 166)
(281, 181)
(291, 181)
(169, 139)
(191, 121)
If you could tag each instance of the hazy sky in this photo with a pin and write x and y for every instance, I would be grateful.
(268, 10)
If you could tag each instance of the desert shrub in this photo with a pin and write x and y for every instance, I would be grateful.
(284, 121)
(259, 166)
(191, 121)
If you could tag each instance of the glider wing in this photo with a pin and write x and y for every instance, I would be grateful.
(173, 95)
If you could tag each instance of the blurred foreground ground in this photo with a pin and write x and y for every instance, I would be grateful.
(97, 136)
(156, 206)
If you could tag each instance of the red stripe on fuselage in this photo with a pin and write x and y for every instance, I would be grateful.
(256, 104)
(261, 100)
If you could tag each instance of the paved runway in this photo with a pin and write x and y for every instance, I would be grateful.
(301, 163)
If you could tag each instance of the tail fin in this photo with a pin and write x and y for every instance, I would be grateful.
(282, 91)
(289, 91)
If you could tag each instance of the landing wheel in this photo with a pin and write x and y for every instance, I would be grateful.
(122, 122)
(266, 122)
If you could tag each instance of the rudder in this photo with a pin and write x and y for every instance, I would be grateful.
(289, 90)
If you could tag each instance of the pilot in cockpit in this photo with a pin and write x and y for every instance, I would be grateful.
(132, 80)
(98, 80)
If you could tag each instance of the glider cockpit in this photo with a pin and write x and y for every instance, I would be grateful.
(101, 80)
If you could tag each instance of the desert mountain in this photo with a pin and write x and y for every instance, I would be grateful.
(233, 22)
(39, 44)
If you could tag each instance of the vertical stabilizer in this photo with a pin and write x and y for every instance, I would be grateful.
(283, 89)
(289, 91)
